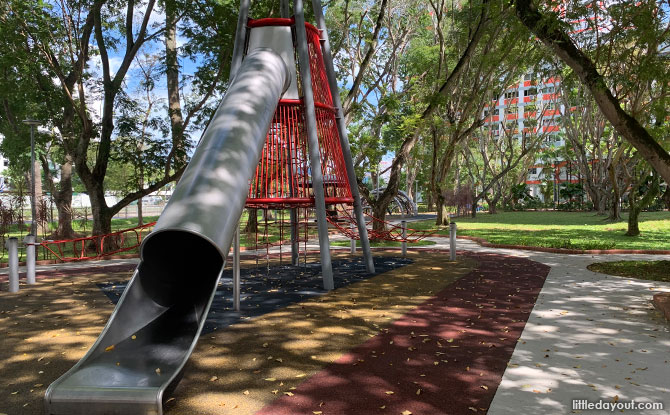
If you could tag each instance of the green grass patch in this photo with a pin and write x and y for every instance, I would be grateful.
(644, 270)
(385, 244)
(573, 230)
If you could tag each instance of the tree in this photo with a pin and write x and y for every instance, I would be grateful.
(641, 22)
(91, 47)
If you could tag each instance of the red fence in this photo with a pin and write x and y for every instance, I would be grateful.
(95, 247)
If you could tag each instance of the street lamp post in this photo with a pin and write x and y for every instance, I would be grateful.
(33, 207)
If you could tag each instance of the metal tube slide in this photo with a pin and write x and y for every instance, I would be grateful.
(141, 352)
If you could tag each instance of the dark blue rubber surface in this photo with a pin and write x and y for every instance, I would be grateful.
(268, 289)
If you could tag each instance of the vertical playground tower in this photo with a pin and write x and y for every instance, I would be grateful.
(306, 161)
(276, 141)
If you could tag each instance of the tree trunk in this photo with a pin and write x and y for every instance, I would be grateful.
(473, 208)
(140, 219)
(666, 197)
(636, 207)
(252, 222)
(633, 224)
(493, 209)
(442, 212)
(379, 212)
(172, 76)
(63, 199)
(615, 211)
(140, 216)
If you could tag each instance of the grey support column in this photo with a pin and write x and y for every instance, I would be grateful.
(313, 141)
(237, 282)
(285, 12)
(284, 9)
(30, 259)
(404, 237)
(240, 38)
(13, 251)
(452, 241)
(344, 139)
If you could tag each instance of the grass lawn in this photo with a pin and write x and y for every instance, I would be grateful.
(575, 230)
(644, 270)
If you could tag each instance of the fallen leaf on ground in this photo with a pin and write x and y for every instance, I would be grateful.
(245, 392)
(389, 392)
(213, 378)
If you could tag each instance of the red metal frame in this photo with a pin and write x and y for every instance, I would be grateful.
(271, 21)
(82, 246)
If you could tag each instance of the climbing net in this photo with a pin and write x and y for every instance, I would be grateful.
(345, 222)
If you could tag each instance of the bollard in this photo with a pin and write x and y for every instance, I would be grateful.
(236, 270)
(452, 241)
(13, 248)
(403, 224)
(353, 240)
(30, 258)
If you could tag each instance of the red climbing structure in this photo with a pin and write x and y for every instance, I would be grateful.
(282, 178)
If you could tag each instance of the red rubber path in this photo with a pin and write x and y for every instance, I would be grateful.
(445, 357)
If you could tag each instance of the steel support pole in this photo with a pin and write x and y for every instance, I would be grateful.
(13, 251)
(353, 240)
(313, 140)
(30, 259)
(284, 9)
(452, 241)
(33, 223)
(344, 139)
(237, 281)
(240, 38)
(403, 224)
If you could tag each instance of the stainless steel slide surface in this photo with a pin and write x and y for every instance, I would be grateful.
(141, 352)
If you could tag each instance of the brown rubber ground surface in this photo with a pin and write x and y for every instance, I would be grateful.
(447, 356)
(46, 328)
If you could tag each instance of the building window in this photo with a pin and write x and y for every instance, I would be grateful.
(530, 92)
(532, 170)
(511, 95)
(496, 111)
(529, 77)
(548, 90)
(5, 163)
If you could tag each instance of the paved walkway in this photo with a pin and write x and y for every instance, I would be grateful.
(590, 336)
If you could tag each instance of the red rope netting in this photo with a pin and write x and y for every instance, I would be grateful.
(346, 223)
(283, 176)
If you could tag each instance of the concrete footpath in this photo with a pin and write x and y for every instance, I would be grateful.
(590, 336)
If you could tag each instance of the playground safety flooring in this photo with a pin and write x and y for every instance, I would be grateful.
(461, 325)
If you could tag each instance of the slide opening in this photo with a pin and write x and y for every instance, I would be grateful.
(179, 268)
